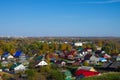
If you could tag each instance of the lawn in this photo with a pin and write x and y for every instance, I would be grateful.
(105, 76)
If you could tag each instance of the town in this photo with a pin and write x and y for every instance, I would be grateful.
(59, 58)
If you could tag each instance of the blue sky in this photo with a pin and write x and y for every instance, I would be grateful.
(60, 18)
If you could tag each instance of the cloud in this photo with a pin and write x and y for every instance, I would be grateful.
(101, 2)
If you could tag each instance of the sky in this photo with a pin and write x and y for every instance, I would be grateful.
(80, 18)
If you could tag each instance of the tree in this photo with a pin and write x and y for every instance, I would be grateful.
(56, 75)
(31, 73)
(1, 51)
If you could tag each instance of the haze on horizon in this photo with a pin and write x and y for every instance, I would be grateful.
(60, 18)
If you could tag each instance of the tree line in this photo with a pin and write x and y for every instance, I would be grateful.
(31, 46)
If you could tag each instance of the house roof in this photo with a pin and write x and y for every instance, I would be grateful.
(94, 58)
(102, 59)
(10, 57)
(87, 56)
(6, 54)
(40, 57)
(42, 63)
(106, 65)
(18, 53)
(68, 73)
(89, 68)
(98, 52)
(15, 65)
(86, 73)
(115, 65)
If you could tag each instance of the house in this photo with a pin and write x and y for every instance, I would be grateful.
(5, 55)
(118, 58)
(80, 48)
(42, 63)
(94, 60)
(89, 68)
(102, 59)
(70, 62)
(63, 63)
(61, 55)
(87, 56)
(68, 75)
(22, 57)
(39, 57)
(17, 54)
(81, 73)
(106, 65)
(114, 55)
(98, 48)
(98, 53)
(18, 67)
(0, 58)
(78, 44)
(4, 63)
(115, 65)
(111, 65)
(73, 52)
(70, 57)
(89, 50)
(107, 56)
(10, 57)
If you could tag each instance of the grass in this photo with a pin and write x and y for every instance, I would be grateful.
(4, 73)
(105, 76)
(6, 76)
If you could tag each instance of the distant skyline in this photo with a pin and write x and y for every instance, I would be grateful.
(80, 18)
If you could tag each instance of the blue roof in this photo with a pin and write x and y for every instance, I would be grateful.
(102, 59)
(18, 53)
(6, 54)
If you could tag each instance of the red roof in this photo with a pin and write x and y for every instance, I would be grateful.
(86, 73)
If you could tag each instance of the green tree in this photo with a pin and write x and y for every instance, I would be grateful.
(56, 75)
(31, 74)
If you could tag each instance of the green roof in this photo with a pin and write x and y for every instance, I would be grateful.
(68, 75)
(15, 65)
(39, 57)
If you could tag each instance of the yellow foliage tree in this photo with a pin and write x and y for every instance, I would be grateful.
(1, 51)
